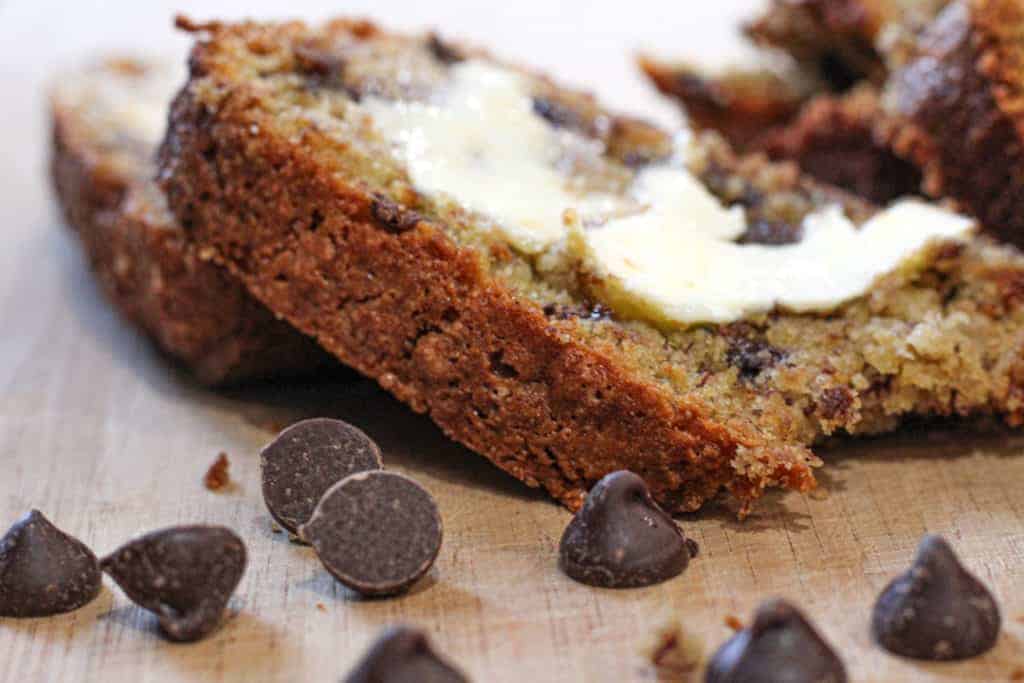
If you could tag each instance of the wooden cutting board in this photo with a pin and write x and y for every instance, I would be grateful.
(109, 440)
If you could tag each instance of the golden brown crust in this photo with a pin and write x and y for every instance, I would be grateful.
(958, 111)
(403, 304)
(191, 308)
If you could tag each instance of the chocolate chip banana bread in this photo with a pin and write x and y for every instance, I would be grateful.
(107, 121)
(569, 292)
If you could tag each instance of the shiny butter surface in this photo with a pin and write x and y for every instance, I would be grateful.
(664, 250)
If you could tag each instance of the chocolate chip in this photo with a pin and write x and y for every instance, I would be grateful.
(43, 571)
(443, 51)
(771, 233)
(751, 356)
(620, 538)
(403, 655)
(780, 645)
(308, 458)
(376, 532)
(936, 610)
(185, 575)
(555, 113)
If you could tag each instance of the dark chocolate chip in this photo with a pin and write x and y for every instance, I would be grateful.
(376, 532)
(752, 356)
(443, 51)
(620, 538)
(185, 575)
(392, 216)
(43, 571)
(555, 113)
(308, 458)
(779, 646)
(771, 233)
(936, 610)
(403, 655)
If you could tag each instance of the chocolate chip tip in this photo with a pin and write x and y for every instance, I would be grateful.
(185, 575)
(936, 610)
(45, 571)
(780, 644)
(621, 538)
(404, 653)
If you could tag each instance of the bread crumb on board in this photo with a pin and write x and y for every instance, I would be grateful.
(673, 652)
(218, 476)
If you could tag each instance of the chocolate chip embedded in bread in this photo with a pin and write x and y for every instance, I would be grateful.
(308, 458)
(936, 610)
(443, 51)
(185, 575)
(780, 645)
(43, 571)
(620, 538)
(376, 532)
(403, 655)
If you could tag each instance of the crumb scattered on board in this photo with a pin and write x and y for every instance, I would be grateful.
(733, 622)
(672, 649)
(218, 477)
(321, 606)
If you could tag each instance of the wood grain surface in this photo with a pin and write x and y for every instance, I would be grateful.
(109, 440)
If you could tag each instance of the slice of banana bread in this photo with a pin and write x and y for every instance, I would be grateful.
(524, 350)
(943, 103)
(107, 122)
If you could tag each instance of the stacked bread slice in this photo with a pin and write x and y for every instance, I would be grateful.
(904, 96)
(505, 255)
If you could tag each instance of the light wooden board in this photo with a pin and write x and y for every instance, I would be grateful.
(109, 440)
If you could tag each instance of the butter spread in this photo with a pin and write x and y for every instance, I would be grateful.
(663, 250)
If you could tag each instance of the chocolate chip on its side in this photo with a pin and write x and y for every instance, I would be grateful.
(403, 654)
(936, 610)
(620, 538)
(308, 458)
(780, 645)
(43, 571)
(185, 575)
(376, 532)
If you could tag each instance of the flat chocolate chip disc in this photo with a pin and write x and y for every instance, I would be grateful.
(377, 532)
(185, 575)
(43, 571)
(936, 610)
(620, 538)
(403, 655)
(308, 458)
(779, 646)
